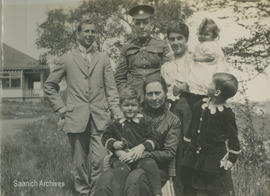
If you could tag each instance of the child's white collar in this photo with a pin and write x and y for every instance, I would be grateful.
(213, 108)
(135, 119)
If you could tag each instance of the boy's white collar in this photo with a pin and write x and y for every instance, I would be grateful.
(213, 108)
(135, 119)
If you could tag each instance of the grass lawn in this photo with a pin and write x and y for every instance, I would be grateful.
(38, 153)
(17, 110)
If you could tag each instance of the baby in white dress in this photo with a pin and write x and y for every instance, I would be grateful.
(208, 58)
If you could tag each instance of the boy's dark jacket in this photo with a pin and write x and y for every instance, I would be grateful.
(131, 132)
(209, 133)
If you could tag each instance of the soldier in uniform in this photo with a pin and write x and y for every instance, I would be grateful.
(143, 55)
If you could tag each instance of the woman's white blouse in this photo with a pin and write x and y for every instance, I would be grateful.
(177, 69)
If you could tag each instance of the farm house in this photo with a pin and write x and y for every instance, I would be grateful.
(21, 76)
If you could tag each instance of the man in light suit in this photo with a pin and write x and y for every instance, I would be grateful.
(91, 97)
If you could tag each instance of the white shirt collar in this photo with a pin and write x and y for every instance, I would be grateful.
(82, 48)
(88, 50)
(135, 119)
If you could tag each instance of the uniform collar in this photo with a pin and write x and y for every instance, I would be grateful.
(135, 119)
(212, 108)
(138, 43)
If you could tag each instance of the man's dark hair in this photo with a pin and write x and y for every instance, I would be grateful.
(180, 28)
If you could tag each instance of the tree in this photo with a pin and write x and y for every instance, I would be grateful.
(110, 16)
(53, 35)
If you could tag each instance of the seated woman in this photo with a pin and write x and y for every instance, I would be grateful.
(166, 127)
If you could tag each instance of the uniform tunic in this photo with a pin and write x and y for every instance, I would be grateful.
(138, 61)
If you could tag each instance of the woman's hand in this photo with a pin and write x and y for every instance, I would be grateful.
(137, 151)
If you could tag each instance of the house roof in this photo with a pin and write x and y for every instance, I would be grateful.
(14, 59)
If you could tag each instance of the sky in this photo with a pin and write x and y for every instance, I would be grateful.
(21, 18)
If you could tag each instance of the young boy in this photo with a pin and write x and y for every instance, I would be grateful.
(213, 141)
(126, 133)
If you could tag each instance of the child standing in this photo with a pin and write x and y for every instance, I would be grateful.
(122, 135)
(213, 142)
(208, 58)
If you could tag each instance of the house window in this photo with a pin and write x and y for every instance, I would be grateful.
(5, 82)
(15, 82)
(10, 79)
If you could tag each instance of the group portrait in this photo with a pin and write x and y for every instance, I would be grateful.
(140, 98)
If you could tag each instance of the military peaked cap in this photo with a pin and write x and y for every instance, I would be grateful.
(141, 11)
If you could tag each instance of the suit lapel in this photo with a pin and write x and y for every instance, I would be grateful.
(80, 61)
(94, 61)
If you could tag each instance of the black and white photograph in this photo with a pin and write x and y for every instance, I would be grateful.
(135, 98)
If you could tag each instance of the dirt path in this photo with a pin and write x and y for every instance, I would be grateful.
(12, 126)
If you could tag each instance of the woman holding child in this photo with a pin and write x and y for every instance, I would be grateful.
(133, 175)
(204, 169)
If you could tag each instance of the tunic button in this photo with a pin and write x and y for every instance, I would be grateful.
(197, 151)
(201, 119)
(199, 131)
